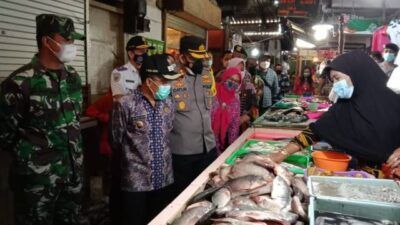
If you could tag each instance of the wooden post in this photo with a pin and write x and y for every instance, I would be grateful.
(341, 35)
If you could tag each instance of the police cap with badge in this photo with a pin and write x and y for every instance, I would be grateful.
(194, 46)
(137, 42)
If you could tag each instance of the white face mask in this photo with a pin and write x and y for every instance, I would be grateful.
(67, 52)
(265, 64)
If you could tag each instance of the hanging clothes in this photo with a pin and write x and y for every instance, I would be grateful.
(379, 39)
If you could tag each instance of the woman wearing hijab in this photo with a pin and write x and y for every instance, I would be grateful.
(247, 94)
(225, 113)
(228, 55)
(304, 84)
(364, 120)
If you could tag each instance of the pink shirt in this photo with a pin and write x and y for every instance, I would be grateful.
(379, 39)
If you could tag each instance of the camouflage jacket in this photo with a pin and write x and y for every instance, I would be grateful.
(39, 121)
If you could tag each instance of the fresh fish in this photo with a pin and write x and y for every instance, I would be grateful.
(281, 193)
(221, 197)
(243, 201)
(193, 215)
(245, 183)
(239, 202)
(215, 181)
(197, 204)
(203, 195)
(263, 190)
(262, 215)
(232, 221)
(268, 203)
(244, 168)
(298, 208)
(261, 160)
(224, 172)
(300, 186)
(284, 173)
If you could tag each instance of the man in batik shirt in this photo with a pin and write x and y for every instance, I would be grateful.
(140, 124)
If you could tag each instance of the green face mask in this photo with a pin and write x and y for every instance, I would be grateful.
(163, 91)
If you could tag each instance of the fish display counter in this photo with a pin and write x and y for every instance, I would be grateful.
(243, 186)
(291, 113)
(250, 183)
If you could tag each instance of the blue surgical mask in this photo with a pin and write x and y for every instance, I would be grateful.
(389, 57)
(341, 89)
(162, 92)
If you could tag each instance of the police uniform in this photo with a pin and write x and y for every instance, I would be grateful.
(124, 79)
(39, 123)
(192, 138)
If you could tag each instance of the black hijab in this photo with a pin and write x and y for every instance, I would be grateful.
(366, 126)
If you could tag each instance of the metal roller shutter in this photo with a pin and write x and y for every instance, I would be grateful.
(185, 26)
(18, 31)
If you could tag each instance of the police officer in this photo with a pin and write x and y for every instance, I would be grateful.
(40, 106)
(126, 78)
(192, 139)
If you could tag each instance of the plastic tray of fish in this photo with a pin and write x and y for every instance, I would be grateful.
(301, 159)
(368, 191)
(327, 212)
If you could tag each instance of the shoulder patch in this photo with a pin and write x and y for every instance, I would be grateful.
(122, 68)
(116, 77)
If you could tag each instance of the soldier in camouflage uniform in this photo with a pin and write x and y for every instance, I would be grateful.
(40, 104)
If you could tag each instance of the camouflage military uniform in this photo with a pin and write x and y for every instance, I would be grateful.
(39, 124)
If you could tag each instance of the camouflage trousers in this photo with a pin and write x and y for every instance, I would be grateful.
(48, 205)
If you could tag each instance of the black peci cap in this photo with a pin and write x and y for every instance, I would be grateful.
(161, 65)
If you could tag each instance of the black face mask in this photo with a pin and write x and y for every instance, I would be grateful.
(278, 71)
(253, 70)
(139, 58)
(197, 67)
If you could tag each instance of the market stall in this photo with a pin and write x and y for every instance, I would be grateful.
(337, 196)
(174, 209)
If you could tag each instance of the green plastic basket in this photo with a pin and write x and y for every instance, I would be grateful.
(243, 151)
(298, 160)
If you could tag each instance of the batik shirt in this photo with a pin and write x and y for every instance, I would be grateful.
(39, 123)
(140, 131)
